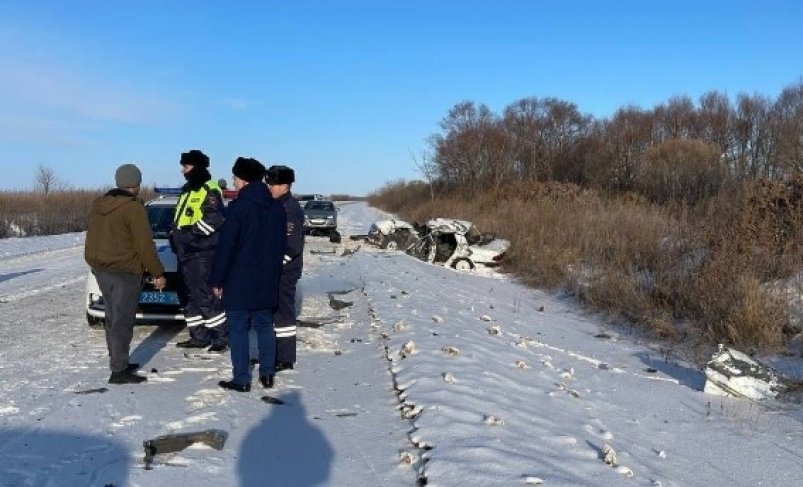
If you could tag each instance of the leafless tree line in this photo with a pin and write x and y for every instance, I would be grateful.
(680, 149)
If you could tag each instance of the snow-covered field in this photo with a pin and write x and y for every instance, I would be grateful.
(420, 373)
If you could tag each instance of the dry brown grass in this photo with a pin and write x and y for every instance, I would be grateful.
(678, 271)
(32, 213)
(345, 197)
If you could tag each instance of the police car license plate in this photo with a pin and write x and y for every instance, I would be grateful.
(150, 297)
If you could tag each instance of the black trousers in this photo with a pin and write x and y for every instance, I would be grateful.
(120, 297)
(284, 319)
(206, 319)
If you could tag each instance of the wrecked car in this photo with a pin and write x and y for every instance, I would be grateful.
(392, 234)
(458, 244)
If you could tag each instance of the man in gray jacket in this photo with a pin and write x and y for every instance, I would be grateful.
(119, 248)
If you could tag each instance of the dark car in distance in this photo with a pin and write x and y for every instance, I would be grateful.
(320, 219)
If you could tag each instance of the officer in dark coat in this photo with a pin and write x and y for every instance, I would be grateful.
(198, 217)
(245, 272)
(280, 180)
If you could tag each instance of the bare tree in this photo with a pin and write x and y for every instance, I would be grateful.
(45, 179)
(715, 119)
(544, 135)
(751, 135)
(429, 170)
(787, 128)
(471, 148)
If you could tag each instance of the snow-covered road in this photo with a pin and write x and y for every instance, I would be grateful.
(36, 265)
(473, 379)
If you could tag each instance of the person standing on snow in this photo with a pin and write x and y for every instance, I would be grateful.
(198, 217)
(280, 180)
(119, 248)
(245, 272)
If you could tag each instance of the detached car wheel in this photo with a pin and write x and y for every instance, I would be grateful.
(463, 265)
(94, 322)
(334, 236)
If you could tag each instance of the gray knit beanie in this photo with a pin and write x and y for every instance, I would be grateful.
(128, 176)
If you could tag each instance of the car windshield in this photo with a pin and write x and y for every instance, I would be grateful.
(320, 205)
(161, 219)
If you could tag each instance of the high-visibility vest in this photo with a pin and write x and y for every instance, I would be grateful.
(189, 210)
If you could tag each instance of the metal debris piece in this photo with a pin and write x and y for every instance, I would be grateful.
(98, 390)
(733, 373)
(179, 441)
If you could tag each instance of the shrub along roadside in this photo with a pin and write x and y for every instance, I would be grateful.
(31, 213)
(704, 273)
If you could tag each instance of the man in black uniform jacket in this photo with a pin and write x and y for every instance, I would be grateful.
(197, 221)
(280, 179)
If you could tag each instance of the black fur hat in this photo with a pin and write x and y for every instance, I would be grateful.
(280, 175)
(248, 169)
(194, 158)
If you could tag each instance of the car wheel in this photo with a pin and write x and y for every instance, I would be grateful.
(390, 243)
(463, 265)
(334, 237)
(95, 322)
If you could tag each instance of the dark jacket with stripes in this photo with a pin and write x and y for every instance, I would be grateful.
(201, 238)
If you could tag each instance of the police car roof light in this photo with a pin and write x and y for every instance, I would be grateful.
(227, 193)
(167, 191)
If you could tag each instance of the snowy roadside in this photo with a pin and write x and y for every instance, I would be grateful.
(473, 379)
(17, 246)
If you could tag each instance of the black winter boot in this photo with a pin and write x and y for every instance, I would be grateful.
(126, 377)
(280, 366)
(192, 343)
(266, 381)
(218, 348)
(233, 386)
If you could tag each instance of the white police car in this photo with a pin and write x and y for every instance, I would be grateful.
(154, 305)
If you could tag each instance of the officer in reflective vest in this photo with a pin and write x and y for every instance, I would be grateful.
(198, 217)
(280, 180)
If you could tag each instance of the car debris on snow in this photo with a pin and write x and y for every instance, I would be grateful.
(733, 373)
(458, 244)
(609, 455)
(392, 234)
(446, 241)
(451, 351)
(176, 442)
(491, 420)
(408, 348)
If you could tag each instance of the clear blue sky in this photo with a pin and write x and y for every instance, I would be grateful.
(344, 91)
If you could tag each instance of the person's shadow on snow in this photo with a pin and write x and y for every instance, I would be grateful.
(285, 449)
(32, 456)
